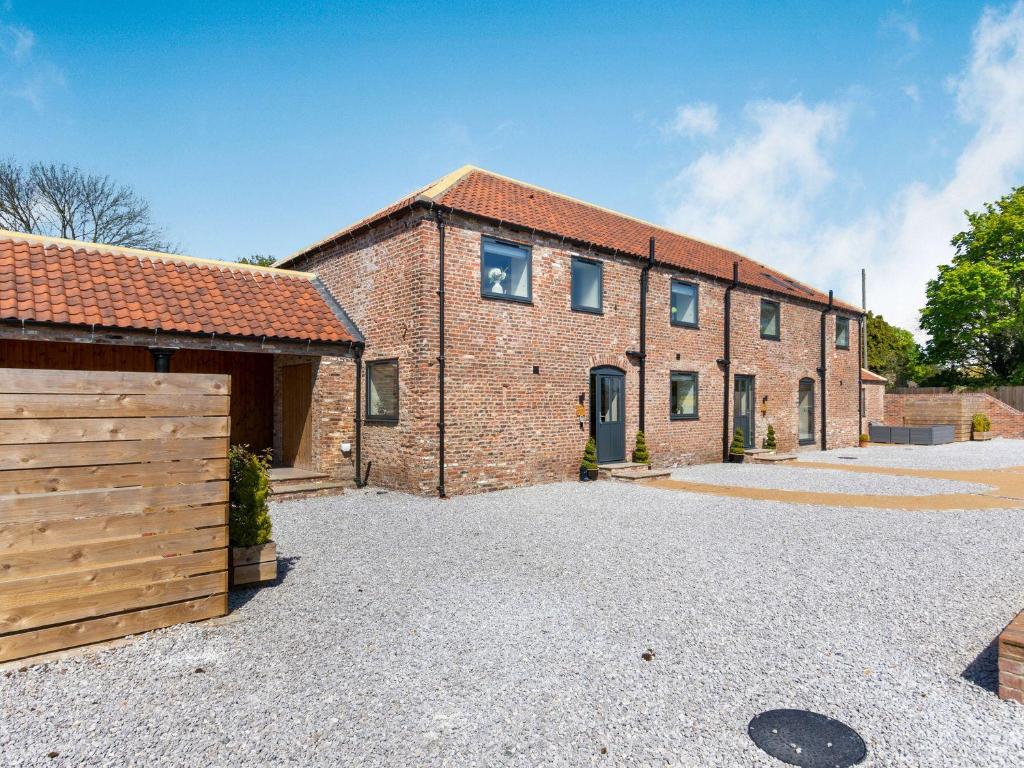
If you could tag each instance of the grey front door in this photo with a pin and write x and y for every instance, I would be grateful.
(607, 410)
(743, 408)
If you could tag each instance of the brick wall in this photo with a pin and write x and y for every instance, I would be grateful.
(508, 425)
(956, 408)
(874, 402)
(1011, 661)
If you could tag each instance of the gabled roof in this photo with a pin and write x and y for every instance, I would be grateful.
(484, 194)
(871, 376)
(50, 280)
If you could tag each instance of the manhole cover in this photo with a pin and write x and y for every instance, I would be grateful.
(799, 737)
(849, 458)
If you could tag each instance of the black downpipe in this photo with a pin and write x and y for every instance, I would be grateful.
(823, 372)
(358, 355)
(644, 281)
(440, 356)
(862, 364)
(727, 362)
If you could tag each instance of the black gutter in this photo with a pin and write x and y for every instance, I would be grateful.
(357, 353)
(823, 372)
(644, 281)
(727, 361)
(440, 355)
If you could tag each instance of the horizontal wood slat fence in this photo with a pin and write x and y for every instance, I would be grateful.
(1013, 396)
(113, 505)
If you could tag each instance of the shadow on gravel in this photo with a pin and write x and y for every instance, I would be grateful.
(984, 670)
(239, 597)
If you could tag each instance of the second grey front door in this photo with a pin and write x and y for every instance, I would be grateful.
(743, 408)
(608, 406)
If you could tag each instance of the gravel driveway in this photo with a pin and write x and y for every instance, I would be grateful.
(508, 628)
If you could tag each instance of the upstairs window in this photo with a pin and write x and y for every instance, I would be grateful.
(505, 270)
(770, 319)
(843, 332)
(684, 304)
(683, 396)
(382, 391)
(586, 285)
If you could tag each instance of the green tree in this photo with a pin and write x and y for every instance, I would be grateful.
(258, 260)
(974, 311)
(893, 352)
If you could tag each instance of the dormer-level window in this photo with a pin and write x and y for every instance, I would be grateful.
(684, 304)
(843, 332)
(770, 319)
(505, 270)
(586, 285)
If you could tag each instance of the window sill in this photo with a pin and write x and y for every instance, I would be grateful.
(380, 421)
(676, 324)
(845, 349)
(677, 417)
(812, 441)
(588, 310)
(771, 338)
(510, 299)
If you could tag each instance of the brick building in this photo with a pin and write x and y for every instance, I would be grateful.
(503, 325)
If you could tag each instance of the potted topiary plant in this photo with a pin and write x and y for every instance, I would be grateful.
(253, 553)
(864, 440)
(737, 451)
(769, 439)
(640, 454)
(588, 467)
(981, 427)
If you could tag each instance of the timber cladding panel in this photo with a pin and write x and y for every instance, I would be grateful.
(113, 505)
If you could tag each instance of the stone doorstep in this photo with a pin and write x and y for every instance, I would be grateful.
(638, 473)
(1011, 660)
(287, 490)
(773, 458)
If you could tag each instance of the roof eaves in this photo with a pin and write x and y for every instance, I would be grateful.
(339, 312)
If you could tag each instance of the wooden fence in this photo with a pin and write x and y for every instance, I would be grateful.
(113, 505)
(1013, 396)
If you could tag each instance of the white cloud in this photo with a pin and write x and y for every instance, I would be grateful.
(698, 119)
(16, 41)
(765, 193)
(903, 24)
(912, 92)
(23, 75)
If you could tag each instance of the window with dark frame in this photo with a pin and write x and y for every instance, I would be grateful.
(842, 332)
(805, 411)
(684, 311)
(382, 391)
(771, 316)
(505, 270)
(587, 285)
(684, 394)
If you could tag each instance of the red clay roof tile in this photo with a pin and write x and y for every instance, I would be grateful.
(43, 280)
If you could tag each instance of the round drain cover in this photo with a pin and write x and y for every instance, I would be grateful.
(799, 737)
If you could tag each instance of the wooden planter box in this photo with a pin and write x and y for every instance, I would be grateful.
(981, 436)
(253, 565)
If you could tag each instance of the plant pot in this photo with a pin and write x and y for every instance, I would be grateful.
(591, 474)
(863, 444)
(981, 435)
(253, 565)
(737, 458)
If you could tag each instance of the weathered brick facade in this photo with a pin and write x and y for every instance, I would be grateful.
(874, 402)
(517, 371)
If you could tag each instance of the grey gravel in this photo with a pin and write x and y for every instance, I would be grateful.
(508, 628)
(967, 455)
(819, 480)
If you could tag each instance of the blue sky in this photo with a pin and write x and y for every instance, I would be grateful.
(817, 137)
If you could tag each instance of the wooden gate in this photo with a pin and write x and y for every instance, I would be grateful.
(113, 505)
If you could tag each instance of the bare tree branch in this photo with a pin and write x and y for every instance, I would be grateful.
(65, 201)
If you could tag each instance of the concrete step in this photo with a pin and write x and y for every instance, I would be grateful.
(772, 458)
(640, 472)
(294, 488)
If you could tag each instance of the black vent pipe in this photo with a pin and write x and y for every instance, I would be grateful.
(823, 372)
(644, 281)
(727, 362)
(440, 355)
(357, 354)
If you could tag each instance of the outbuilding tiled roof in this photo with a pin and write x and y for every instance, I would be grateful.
(871, 376)
(477, 192)
(69, 282)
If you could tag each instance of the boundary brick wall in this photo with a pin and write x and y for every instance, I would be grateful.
(507, 425)
(874, 402)
(956, 408)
